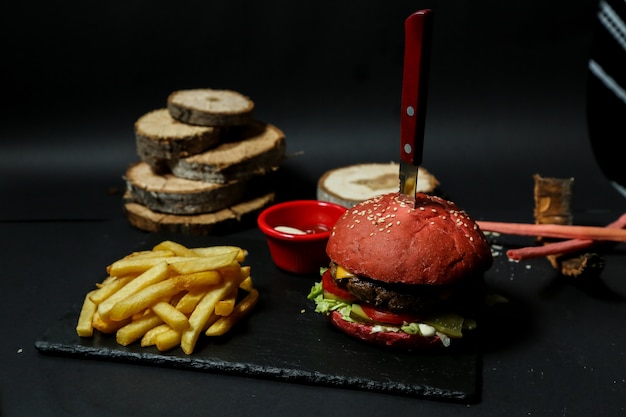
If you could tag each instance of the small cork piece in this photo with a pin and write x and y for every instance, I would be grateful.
(553, 200)
(586, 265)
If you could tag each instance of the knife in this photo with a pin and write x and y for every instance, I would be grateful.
(417, 45)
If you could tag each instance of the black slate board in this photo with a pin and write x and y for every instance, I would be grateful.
(285, 340)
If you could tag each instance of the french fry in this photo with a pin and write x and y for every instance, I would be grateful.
(203, 311)
(188, 302)
(176, 297)
(105, 325)
(191, 265)
(234, 271)
(139, 265)
(216, 250)
(140, 314)
(176, 248)
(225, 307)
(161, 253)
(109, 287)
(84, 326)
(212, 319)
(224, 324)
(136, 329)
(149, 338)
(168, 340)
(172, 317)
(108, 280)
(155, 274)
(160, 291)
(247, 284)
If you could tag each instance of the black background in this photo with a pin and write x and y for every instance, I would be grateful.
(507, 99)
(505, 79)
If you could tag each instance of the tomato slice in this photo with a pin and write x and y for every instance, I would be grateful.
(332, 290)
(386, 316)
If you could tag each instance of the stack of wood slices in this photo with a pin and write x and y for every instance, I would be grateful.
(206, 164)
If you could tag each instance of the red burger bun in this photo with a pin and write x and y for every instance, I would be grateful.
(388, 239)
(398, 340)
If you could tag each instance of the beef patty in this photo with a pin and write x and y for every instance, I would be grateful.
(404, 297)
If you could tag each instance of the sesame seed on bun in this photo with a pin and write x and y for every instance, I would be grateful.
(390, 239)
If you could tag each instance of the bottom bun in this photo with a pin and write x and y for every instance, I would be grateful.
(398, 340)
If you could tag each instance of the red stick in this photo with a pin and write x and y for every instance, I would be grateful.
(555, 230)
(556, 248)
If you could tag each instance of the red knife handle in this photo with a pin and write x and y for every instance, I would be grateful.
(417, 45)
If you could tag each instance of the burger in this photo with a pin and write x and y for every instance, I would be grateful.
(404, 274)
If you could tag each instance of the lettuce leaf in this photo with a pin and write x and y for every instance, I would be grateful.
(325, 305)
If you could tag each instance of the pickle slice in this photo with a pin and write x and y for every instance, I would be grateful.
(450, 324)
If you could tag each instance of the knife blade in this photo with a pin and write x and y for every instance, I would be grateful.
(417, 45)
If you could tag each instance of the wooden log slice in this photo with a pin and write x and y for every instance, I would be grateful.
(257, 149)
(351, 184)
(166, 193)
(208, 107)
(234, 218)
(159, 137)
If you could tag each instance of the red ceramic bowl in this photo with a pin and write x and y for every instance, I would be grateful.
(299, 253)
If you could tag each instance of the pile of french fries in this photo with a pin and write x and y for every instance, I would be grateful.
(168, 296)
